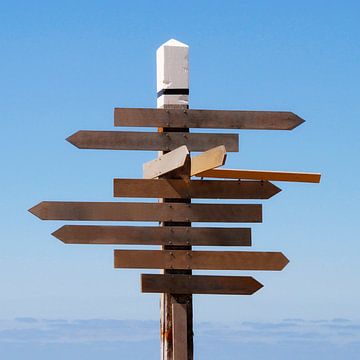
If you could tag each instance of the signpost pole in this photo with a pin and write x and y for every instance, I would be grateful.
(173, 93)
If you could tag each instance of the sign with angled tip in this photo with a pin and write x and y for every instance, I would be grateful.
(215, 119)
(200, 260)
(197, 189)
(199, 284)
(154, 235)
(126, 211)
(153, 141)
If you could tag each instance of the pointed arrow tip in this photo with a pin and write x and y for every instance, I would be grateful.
(276, 189)
(36, 210)
(259, 285)
(59, 234)
(285, 261)
(256, 285)
(271, 189)
(297, 121)
(72, 139)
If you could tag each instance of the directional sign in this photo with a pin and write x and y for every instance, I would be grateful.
(262, 175)
(153, 235)
(199, 284)
(156, 141)
(217, 119)
(126, 211)
(199, 260)
(206, 189)
(210, 159)
(166, 163)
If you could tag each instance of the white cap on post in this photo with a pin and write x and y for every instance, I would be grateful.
(172, 65)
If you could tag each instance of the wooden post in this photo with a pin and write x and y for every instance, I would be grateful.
(173, 93)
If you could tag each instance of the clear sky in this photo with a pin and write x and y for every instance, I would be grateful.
(65, 65)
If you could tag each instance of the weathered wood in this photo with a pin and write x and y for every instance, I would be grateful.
(217, 119)
(179, 331)
(125, 211)
(172, 73)
(262, 175)
(154, 141)
(200, 260)
(200, 189)
(166, 163)
(199, 284)
(153, 235)
(210, 159)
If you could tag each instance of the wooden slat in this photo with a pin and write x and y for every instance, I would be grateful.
(166, 163)
(153, 235)
(154, 141)
(210, 159)
(219, 119)
(199, 284)
(199, 260)
(262, 175)
(179, 331)
(125, 211)
(206, 189)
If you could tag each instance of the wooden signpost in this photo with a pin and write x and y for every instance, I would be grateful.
(170, 179)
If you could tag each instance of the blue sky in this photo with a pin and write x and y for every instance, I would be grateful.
(65, 65)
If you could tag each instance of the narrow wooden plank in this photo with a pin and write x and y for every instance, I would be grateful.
(262, 175)
(126, 211)
(154, 141)
(199, 189)
(199, 284)
(217, 119)
(153, 235)
(199, 260)
(166, 163)
(210, 159)
(179, 331)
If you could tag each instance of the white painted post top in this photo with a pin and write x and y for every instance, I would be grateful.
(172, 67)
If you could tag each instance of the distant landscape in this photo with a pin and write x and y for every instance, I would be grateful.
(92, 339)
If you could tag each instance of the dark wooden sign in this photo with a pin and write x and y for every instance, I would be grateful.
(126, 211)
(199, 284)
(197, 189)
(155, 141)
(153, 235)
(217, 119)
(199, 260)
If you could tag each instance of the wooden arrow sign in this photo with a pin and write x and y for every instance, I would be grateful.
(197, 189)
(217, 119)
(125, 211)
(199, 260)
(261, 175)
(166, 163)
(210, 159)
(199, 284)
(153, 235)
(155, 141)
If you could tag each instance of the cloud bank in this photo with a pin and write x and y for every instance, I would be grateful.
(287, 339)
